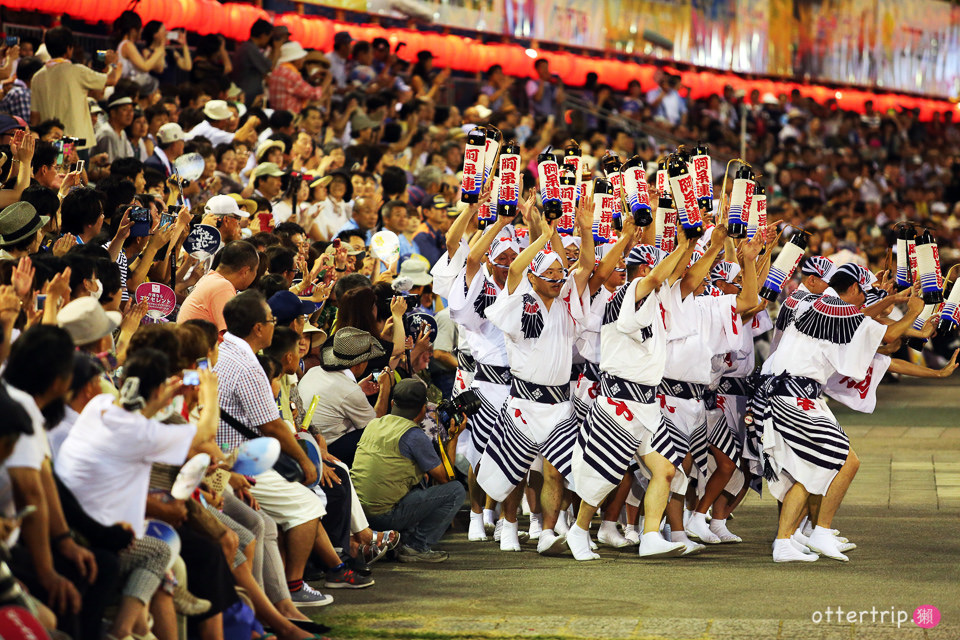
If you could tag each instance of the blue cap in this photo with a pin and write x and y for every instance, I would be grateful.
(287, 307)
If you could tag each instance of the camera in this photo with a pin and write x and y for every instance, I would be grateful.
(101, 56)
(465, 404)
(139, 214)
(13, 41)
(191, 378)
(412, 300)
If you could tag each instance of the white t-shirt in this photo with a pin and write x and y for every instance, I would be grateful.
(29, 451)
(105, 460)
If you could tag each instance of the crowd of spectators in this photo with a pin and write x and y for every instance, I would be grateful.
(292, 329)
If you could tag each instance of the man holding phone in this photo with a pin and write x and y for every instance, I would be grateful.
(59, 90)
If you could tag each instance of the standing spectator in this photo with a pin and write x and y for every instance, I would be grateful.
(237, 271)
(395, 219)
(288, 90)
(497, 88)
(393, 455)
(254, 59)
(666, 101)
(17, 100)
(59, 89)
(133, 65)
(155, 35)
(339, 56)
(112, 137)
(543, 92)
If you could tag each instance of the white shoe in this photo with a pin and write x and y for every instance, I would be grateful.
(698, 529)
(509, 541)
(476, 532)
(611, 536)
(823, 542)
(719, 528)
(593, 545)
(536, 525)
(550, 544)
(579, 542)
(692, 548)
(785, 551)
(800, 542)
(632, 535)
(490, 521)
(497, 528)
(652, 545)
(561, 527)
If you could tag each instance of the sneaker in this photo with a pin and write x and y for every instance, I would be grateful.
(359, 566)
(409, 554)
(307, 596)
(347, 578)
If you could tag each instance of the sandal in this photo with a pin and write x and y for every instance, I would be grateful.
(382, 542)
(310, 626)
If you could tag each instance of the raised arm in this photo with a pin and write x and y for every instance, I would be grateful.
(660, 273)
(581, 274)
(701, 269)
(519, 266)
(609, 262)
(897, 329)
(747, 298)
(480, 248)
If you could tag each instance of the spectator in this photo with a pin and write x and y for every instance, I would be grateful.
(215, 126)
(59, 89)
(544, 92)
(134, 65)
(237, 271)
(169, 147)
(288, 90)
(665, 100)
(20, 230)
(430, 238)
(16, 102)
(392, 457)
(247, 400)
(254, 59)
(340, 390)
(339, 58)
(395, 220)
(112, 137)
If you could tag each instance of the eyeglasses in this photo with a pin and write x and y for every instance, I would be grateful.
(271, 321)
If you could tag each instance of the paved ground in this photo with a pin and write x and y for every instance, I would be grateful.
(902, 511)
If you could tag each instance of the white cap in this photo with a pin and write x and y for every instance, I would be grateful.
(291, 51)
(119, 102)
(170, 132)
(217, 110)
(222, 205)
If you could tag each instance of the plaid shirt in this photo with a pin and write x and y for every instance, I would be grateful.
(17, 100)
(244, 390)
(288, 90)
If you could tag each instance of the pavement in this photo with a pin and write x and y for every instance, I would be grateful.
(902, 511)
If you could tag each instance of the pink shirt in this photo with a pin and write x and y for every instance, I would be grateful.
(207, 300)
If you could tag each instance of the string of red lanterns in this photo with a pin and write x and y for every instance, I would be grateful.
(458, 52)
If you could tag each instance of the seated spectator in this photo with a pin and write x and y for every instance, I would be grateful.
(111, 136)
(21, 230)
(341, 409)
(392, 457)
(237, 271)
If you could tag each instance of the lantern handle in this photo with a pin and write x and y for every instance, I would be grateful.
(726, 172)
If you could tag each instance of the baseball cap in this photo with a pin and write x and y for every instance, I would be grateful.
(217, 110)
(222, 205)
(8, 123)
(266, 169)
(439, 202)
(410, 393)
(342, 37)
(170, 132)
(86, 321)
(287, 307)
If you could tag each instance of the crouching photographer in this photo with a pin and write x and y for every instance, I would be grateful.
(392, 457)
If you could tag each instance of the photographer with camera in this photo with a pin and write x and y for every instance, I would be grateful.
(392, 457)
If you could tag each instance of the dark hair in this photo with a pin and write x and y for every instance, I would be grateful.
(280, 259)
(209, 329)
(348, 283)
(44, 155)
(80, 208)
(243, 312)
(239, 254)
(270, 366)
(118, 193)
(161, 337)
(285, 339)
(287, 229)
(260, 28)
(58, 40)
(45, 344)
(45, 266)
(81, 268)
(125, 22)
(194, 345)
(43, 199)
(540, 61)
(394, 182)
(28, 67)
(150, 30)
(152, 177)
(263, 239)
(493, 68)
(85, 368)
(157, 109)
(16, 420)
(44, 127)
(262, 203)
(271, 284)
(356, 309)
(108, 272)
(126, 167)
(280, 119)
(359, 47)
(841, 281)
(150, 366)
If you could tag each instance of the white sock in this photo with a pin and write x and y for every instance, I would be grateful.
(476, 516)
(509, 539)
(608, 526)
(680, 536)
(489, 516)
(819, 531)
(699, 517)
(628, 528)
